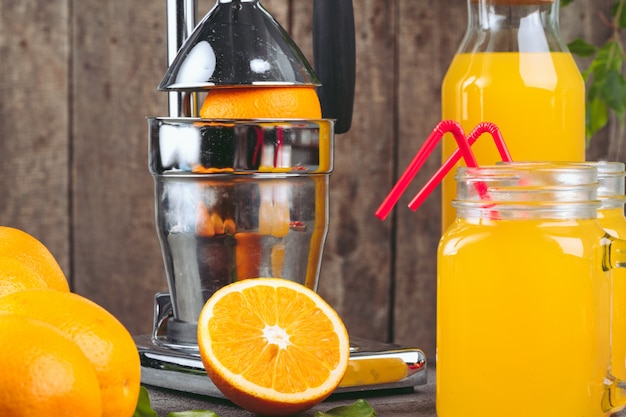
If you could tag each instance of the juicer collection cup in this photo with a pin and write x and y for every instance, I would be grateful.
(524, 295)
(237, 199)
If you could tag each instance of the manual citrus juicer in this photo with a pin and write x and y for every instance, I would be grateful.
(238, 199)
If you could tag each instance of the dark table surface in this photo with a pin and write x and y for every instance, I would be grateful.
(417, 402)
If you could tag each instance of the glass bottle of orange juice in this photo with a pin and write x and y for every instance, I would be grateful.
(523, 295)
(513, 69)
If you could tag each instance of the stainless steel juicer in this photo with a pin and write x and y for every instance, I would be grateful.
(237, 199)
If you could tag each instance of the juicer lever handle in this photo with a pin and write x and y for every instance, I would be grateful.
(334, 53)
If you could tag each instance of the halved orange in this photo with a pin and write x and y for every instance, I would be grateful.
(262, 103)
(272, 346)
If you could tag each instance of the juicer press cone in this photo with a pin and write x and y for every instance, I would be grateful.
(238, 44)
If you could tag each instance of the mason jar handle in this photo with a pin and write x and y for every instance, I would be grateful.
(614, 394)
(616, 253)
(615, 388)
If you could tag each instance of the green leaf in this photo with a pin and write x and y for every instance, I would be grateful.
(359, 409)
(614, 92)
(581, 48)
(597, 116)
(609, 58)
(606, 86)
(192, 413)
(144, 409)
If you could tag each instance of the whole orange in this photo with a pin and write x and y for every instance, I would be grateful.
(16, 276)
(102, 338)
(44, 373)
(262, 103)
(26, 249)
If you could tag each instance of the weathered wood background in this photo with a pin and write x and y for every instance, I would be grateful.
(78, 78)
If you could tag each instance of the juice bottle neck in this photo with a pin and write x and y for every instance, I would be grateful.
(513, 26)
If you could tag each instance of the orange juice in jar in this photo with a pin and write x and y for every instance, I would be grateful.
(514, 70)
(523, 297)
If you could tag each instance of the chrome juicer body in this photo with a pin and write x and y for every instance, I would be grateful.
(238, 199)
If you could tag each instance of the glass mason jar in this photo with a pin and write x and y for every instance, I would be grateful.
(523, 298)
(514, 69)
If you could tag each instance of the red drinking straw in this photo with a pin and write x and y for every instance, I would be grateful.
(481, 128)
(464, 150)
(260, 141)
(279, 145)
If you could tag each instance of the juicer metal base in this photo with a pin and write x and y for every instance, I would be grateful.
(178, 366)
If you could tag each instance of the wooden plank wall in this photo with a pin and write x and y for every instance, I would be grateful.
(78, 78)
